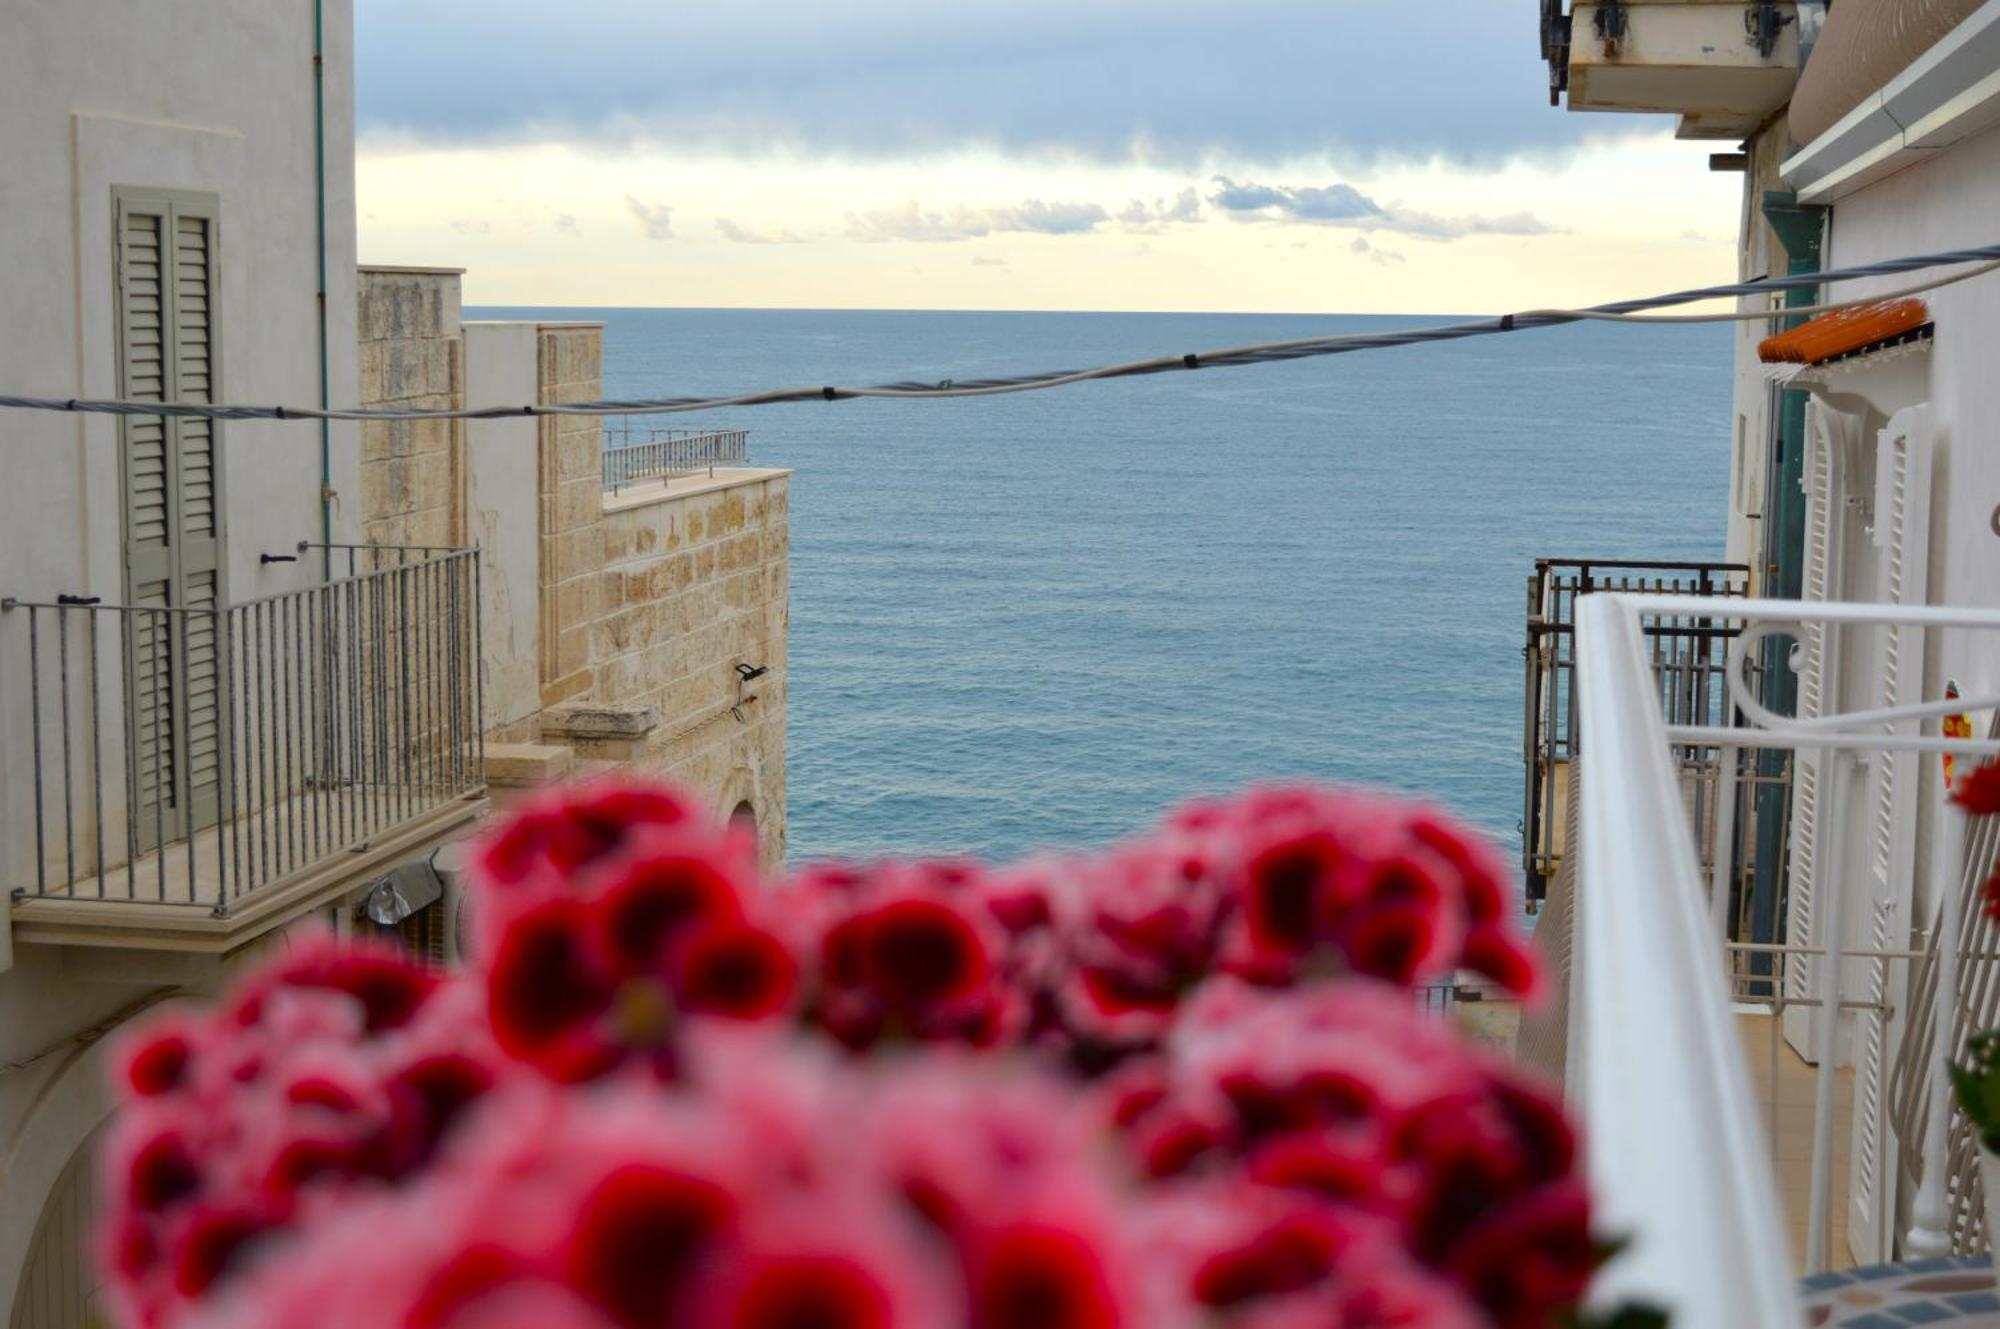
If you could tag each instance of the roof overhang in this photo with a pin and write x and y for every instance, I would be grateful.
(1947, 94)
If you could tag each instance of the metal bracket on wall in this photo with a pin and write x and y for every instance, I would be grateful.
(1610, 24)
(1762, 23)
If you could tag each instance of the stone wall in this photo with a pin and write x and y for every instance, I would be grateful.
(696, 581)
(412, 354)
(614, 624)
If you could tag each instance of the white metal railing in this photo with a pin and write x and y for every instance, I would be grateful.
(1680, 1153)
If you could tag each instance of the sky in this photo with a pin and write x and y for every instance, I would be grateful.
(1358, 156)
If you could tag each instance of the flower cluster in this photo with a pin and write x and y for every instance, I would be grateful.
(1382, 1130)
(1978, 795)
(1183, 1083)
(335, 1069)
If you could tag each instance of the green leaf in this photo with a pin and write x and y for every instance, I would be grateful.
(1630, 1315)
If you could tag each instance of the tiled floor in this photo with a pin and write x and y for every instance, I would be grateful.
(1785, 1086)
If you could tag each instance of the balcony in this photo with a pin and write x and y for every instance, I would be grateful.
(1759, 1110)
(1723, 66)
(634, 454)
(1688, 655)
(192, 777)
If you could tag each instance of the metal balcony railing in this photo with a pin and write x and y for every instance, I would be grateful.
(194, 757)
(666, 454)
(1658, 1002)
(1687, 652)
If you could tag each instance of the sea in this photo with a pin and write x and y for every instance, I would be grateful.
(1039, 621)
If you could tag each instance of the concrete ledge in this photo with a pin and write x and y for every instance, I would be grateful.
(520, 765)
(138, 925)
(643, 492)
(601, 722)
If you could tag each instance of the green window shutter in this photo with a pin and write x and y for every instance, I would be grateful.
(173, 493)
(200, 529)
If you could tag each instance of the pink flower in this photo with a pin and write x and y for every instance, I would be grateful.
(638, 1236)
(912, 953)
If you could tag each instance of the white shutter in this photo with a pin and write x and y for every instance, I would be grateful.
(1902, 534)
(1828, 435)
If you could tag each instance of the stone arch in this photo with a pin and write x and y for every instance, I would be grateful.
(58, 1286)
(43, 1151)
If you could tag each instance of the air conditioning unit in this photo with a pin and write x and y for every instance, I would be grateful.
(420, 905)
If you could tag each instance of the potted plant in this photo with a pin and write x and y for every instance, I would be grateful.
(1976, 1080)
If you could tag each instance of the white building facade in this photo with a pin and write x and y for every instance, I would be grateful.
(1866, 484)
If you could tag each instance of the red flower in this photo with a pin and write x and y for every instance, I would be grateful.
(1531, 1259)
(550, 1000)
(637, 1238)
(736, 970)
(1979, 792)
(906, 956)
(575, 826)
(1286, 890)
(158, 1062)
(823, 1291)
(1033, 1277)
(578, 984)
(920, 953)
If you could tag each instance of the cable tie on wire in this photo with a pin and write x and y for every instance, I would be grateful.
(829, 394)
(1191, 360)
(281, 412)
(1506, 323)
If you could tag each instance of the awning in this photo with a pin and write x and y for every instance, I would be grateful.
(1845, 331)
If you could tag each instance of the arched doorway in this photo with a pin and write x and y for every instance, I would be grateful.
(59, 1283)
(745, 816)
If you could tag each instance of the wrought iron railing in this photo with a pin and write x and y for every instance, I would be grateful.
(193, 757)
(632, 454)
(1687, 652)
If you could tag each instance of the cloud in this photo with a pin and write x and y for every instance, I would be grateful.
(655, 219)
(1344, 205)
(566, 224)
(1375, 254)
(982, 261)
(1151, 218)
(1034, 216)
(472, 226)
(740, 235)
(1169, 81)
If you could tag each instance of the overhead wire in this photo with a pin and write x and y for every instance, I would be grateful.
(1987, 259)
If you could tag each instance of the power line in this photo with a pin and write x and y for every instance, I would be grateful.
(1987, 256)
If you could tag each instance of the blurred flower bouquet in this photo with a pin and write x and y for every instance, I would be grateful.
(1182, 1083)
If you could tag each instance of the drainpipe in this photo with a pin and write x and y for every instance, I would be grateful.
(325, 373)
(1801, 229)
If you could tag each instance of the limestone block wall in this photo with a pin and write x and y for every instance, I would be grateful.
(612, 624)
(412, 353)
(696, 580)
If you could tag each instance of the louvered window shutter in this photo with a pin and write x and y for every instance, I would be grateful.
(172, 470)
(1902, 535)
(1828, 435)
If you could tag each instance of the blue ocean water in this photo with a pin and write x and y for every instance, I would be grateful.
(1040, 620)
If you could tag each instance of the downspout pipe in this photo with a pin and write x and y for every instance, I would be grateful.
(1802, 230)
(325, 371)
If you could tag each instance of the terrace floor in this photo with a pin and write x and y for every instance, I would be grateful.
(1785, 1085)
